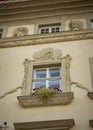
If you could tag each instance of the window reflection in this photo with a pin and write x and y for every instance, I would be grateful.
(54, 84)
(40, 73)
(54, 72)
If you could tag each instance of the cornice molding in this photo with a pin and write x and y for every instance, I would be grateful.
(64, 8)
(46, 39)
(46, 13)
(9, 1)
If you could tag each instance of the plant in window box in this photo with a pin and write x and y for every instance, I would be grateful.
(45, 93)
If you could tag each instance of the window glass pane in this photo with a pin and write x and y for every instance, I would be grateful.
(54, 72)
(44, 30)
(55, 29)
(40, 74)
(47, 30)
(40, 84)
(0, 35)
(1, 31)
(54, 84)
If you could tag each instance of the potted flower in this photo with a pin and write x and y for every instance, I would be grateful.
(46, 93)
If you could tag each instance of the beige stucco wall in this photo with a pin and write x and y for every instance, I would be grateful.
(12, 73)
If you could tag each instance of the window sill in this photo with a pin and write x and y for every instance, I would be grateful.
(34, 101)
(90, 94)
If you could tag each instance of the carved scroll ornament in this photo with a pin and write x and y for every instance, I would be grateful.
(47, 54)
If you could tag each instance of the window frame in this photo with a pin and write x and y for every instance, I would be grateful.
(49, 27)
(29, 68)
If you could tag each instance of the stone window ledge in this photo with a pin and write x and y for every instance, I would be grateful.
(65, 124)
(34, 101)
(91, 123)
(90, 94)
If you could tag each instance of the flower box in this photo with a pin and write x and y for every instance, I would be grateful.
(57, 99)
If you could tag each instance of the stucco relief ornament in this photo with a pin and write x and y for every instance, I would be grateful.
(47, 54)
(76, 24)
(22, 31)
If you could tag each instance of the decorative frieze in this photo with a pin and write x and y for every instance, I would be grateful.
(46, 39)
(47, 54)
(57, 99)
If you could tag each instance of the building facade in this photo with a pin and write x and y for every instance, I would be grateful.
(46, 45)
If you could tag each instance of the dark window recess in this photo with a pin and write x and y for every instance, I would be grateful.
(1, 32)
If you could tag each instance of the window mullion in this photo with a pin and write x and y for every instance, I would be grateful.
(50, 29)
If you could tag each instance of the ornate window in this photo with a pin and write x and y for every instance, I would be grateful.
(49, 28)
(47, 69)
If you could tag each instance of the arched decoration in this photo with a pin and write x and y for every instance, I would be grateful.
(48, 54)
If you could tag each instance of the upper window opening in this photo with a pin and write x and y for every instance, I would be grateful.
(50, 28)
(1, 32)
(91, 23)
